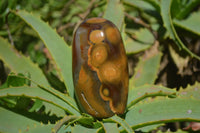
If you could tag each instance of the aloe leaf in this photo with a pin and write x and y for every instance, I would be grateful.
(110, 128)
(19, 80)
(162, 110)
(142, 35)
(148, 10)
(188, 7)
(121, 122)
(19, 63)
(65, 130)
(38, 93)
(41, 129)
(81, 129)
(59, 50)
(147, 69)
(154, 3)
(192, 91)
(166, 16)
(133, 46)
(11, 122)
(143, 4)
(61, 122)
(71, 120)
(86, 120)
(139, 93)
(37, 105)
(190, 24)
(114, 13)
(147, 129)
(178, 131)
(180, 60)
(144, 40)
(50, 109)
(69, 100)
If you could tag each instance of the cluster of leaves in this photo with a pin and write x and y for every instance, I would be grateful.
(38, 94)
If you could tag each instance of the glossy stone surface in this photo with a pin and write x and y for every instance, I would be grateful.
(100, 70)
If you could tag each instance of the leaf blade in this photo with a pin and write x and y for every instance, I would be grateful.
(167, 20)
(140, 44)
(114, 13)
(37, 93)
(12, 122)
(146, 69)
(78, 129)
(190, 24)
(61, 53)
(19, 63)
(139, 93)
(111, 127)
(164, 110)
(120, 121)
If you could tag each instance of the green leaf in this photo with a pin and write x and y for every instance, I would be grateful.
(190, 24)
(81, 129)
(67, 99)
(146, 69)
(114, 13)
(176, 6)
(121, 122)
(55, 82)
(86, 121)
(20, 64)
(178, 131)
(70, 101)
(11, 122)
(188, 7)
(65, 119)
(162, 110)
(37, 105)
(148, 10)
(19, 80)
(166, 16)
(132, 46)
(110, 128)
(143, 4)
(143, 40)
(179, 58)
(15, 81)
(50, 109)
(41, 129)
(59, 50)
(154, 3)
(192, 91)
(147, 129)
(139, 93)
(38, 93)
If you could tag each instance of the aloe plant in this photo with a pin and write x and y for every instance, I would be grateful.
(28, 102)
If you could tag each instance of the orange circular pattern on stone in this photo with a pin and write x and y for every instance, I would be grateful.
(109, 73)
(96, 36)
(98, 55)
(113, 35)
(106, 92)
